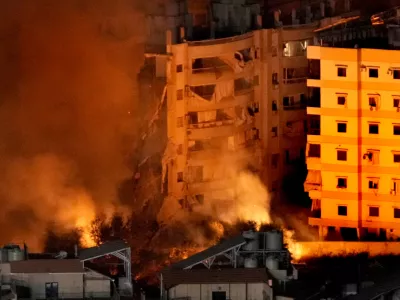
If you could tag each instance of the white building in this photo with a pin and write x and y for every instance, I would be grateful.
(59, 278)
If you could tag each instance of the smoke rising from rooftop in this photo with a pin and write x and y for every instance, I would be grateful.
(66, 87)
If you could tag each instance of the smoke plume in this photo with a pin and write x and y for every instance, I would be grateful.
(67, 90)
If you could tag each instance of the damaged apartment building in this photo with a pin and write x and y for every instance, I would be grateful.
(222, 96)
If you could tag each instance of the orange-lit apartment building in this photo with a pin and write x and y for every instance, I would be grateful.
(353, 149)
(234, 102)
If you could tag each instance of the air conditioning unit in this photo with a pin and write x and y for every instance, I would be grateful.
(393, 192)
(373, 108)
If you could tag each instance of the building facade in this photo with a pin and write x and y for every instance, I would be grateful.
(353, 152)
(234, 104)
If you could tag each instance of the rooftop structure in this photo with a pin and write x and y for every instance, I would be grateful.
(249, 264)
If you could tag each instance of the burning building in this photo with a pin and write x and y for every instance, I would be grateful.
(252, 265)
(230, 101)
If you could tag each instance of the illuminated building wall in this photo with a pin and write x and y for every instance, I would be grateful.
(353, 149)
(232, 100)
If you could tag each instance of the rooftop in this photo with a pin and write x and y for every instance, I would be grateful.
(240, 275)
(47, 266)
(103, 249)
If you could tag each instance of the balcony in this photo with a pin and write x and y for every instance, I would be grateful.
(314, 124)
(294, 75)
(209, 70)
(314, 97)
(314, 69)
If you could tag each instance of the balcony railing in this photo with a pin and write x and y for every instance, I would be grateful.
(210, 124)
(295, 106)
(316, 213)
(212, 69)
(295, 80)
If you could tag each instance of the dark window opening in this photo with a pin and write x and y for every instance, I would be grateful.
(314, 150)
(341, 100)
(373, 129)
(396, 74)
(218, 295)
(314, 97)
(342, 127)
(51, 289)
(314, 124)
(396, 158)
(179, 68)
(341, 155)
(275, 78)
(373, 184)
(274, 131)
(342, 210)
(180, 177)
(342, 182)
(373, 211)
(314, 69)
(372, 101)
(274, 106)
(193, 117)
(396, 102)
(396, 129)
(341, 72)
(396, 213)
(373, 73)
(204, 91)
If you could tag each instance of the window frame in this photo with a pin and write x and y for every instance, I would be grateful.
(370, 125)
(343, 214)
(345, 181)
(341, 151)
(341, 123)
(339, 71)
(373, 215)
(373, 69)
(373, 183)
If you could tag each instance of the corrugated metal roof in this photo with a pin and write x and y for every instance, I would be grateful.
(210, 252)
(174, 277)
(104, 249)
(47, 266)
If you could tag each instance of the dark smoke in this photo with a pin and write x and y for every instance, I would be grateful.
(67, 110)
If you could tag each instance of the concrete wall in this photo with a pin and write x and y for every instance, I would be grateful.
(237, 291)
(69, 285)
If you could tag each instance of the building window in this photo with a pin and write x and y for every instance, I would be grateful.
(341, 127)
(342, 210)
(396, 74)
(200, 198)
(288, 101)
(274, 105)
(396, 129)
(180, 177)
(179, 68)
(373, 128)
(341, 100)
(51, 290)
(275, 160)
(179, 122)
(256, 80)
(396, 157)
(396, 213)
(373, 102)
(396, 102)
(373, 183)
(179, 95)
(314, 150)
(341, 155)
(341, 183)
(373, 211)
(372, 156)
(341, 71)
(274, 131)
(373, 72)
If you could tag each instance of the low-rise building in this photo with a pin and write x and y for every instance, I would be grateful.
(254, 265)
